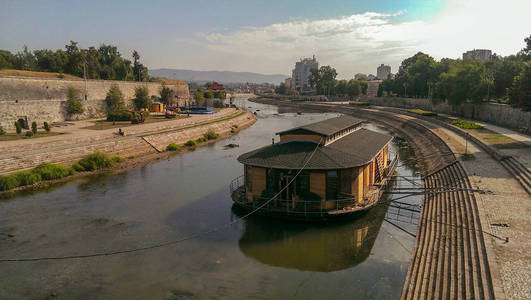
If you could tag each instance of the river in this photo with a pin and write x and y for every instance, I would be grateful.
(166, 200)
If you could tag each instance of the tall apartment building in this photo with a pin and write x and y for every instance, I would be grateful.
(301, 73)
(383, 71)
(481, 54)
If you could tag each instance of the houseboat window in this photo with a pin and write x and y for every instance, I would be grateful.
(331, 184)
(303, 183)
(248, 179)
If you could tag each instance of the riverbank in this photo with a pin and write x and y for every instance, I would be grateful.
(147, 146)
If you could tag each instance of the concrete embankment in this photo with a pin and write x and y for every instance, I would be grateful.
(140, 141)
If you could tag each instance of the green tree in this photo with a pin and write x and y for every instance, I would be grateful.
(353, 88)
(142, 99)
(221, 95)
(114, 99)
(379, 93)
(74, 106)
(7, 60)
(341, 87)
(34, 127)
(166, 95)
(328, 78)
(314, 79)
(25, 60)
(364, 86)
(281, 89)
(139, 70)
(199, 97)
(75, 59)
(520, 91)
(209, 95)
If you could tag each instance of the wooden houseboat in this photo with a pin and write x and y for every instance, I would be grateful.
(345, 169)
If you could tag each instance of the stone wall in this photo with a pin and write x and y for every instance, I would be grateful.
(500, 114)
(43, 99)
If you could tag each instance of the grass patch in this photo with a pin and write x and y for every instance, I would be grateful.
(201, 140)
(96, 161)
(117, 159)
(422, 112)
(190, 143)
(359, 103)
(52, 171)
(173, 147)
(11, 72)
(465, 124)
(13, 136)
(211, 135)
(498, 140)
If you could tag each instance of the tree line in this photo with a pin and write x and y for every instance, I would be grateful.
(324, 81)
(506, 79)
(105, 62)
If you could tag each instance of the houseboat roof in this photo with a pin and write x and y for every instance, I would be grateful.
(353, 150)
(327, 127)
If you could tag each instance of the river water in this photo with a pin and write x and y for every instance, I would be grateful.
(260, 258)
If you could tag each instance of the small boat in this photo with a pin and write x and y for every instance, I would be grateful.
(325, 170)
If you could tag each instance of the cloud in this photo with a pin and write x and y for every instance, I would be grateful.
(360, 42)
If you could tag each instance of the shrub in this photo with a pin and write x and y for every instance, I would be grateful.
(142, 99)
(201, 140)
(96, 161)
(173, 147)
(29, 133)
(117, 159)
(49, 171)
(8, 182)
(47, 126)
(422, 112)
(232, 130)
(190, 143)
(73, 105)
(78, 168)
(211, 135)
(2, 131)
(235, 125)
(34, 127)
(18, 127)
(120, 115)
(466, 124)
(27, 177)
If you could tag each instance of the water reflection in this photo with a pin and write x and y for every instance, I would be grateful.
(311, 247)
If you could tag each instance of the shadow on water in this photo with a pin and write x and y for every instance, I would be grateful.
(318, 247)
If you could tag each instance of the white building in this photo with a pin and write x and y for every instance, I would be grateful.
(481, 54)
(301, 73)
(360, 76)
(383, 71)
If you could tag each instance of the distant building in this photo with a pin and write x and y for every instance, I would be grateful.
(301, 73)
(214, 86)
(481, 54)
(383, 72)
(289, 84)
(372, 88)
(371, 77)
(360, 76)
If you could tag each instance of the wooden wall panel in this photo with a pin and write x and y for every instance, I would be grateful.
(357, 187)
(318, 184)
(258, 176)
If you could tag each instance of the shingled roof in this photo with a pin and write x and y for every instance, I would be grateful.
(327, 127)
(354, 150)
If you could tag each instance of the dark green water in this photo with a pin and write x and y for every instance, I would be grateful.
(258, 258)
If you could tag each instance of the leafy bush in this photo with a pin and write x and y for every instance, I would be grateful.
(120, 115)
(190, 143)
(18, 127)
(117, 159)
(235, 125)
(232, 130)
(73, 105)
(29, 133)
(211, 135)
(78, 168)
(96, 161)
(201, 140)
(142, 99)
(47, 126)
(466, 124)
(27, 177)
(34, 127)
(173, 147)
(422, 112)
(2, 131)
(8, 182)
(49, 171)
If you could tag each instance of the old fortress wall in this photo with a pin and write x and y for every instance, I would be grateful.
(44, 99)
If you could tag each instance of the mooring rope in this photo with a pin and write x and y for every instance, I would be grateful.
(168, 243)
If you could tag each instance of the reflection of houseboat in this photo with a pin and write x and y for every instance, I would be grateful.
(316, 248)
(345, 169)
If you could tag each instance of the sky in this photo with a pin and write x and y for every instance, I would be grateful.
(269, 36)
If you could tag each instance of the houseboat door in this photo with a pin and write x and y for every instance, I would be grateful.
(287, 194)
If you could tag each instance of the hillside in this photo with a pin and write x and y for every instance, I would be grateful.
(24, 73)
(219, 76)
